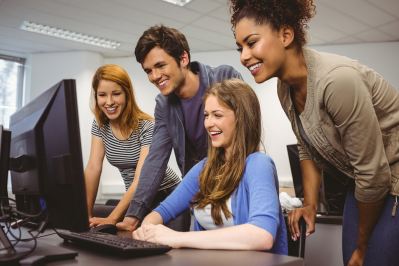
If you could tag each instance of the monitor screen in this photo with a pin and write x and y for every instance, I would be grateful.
(46, 169)
(5, 136)
(333, 186)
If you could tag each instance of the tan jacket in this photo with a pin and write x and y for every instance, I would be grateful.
(351, 118)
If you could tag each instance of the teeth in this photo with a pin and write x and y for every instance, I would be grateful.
(213, 133)
(251, 68)
(111, 109)
(162, 83)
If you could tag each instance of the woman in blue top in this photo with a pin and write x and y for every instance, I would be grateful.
(233, 192)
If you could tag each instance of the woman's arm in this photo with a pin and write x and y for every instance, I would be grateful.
(349, 102)
(120, 209)
(239, 237)
(153, 218)
(311, 180)
(93, 171)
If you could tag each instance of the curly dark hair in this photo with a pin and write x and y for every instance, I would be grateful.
(172, 41)
(277, 13)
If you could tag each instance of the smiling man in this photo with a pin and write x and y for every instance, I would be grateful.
(164, 55)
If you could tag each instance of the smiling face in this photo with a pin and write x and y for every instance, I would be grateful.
(220, 123)
(111, 99)
(262, 49)
(164, 72)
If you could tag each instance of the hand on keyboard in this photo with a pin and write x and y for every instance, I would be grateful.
(128, 224)
(114, 244)
(158, 234)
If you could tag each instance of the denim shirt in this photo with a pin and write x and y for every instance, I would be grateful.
(169, 133)
(351, 118)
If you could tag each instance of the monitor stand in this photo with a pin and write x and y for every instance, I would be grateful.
(43, 252)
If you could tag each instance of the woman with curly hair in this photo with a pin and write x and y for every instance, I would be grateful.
(345, 117)
(232, 192)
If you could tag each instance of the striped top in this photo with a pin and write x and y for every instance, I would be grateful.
(124, 154)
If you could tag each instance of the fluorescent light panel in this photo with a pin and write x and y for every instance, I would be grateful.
(68, 35)
(178, 2)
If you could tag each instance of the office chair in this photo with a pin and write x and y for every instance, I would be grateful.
(296, 248)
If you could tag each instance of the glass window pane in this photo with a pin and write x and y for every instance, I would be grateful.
(11, 79)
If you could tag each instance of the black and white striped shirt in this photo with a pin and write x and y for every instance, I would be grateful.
(124, 154)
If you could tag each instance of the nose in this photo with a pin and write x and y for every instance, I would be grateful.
(245, 56)
(109, 100)
(208, 122)
(155, 75)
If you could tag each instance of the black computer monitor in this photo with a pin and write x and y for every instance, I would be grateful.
(5, 137)
(333, 186)
(46, 158)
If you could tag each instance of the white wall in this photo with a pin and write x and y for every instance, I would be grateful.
(81, 66)
(46, 69)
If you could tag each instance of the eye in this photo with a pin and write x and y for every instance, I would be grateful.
(251, 43)
(239, 49)
(206, 115)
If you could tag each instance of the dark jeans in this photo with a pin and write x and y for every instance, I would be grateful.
(180, 223)
(383, 246)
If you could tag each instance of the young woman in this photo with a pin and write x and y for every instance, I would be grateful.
(232, 192)
(122, 133)
(344, 115)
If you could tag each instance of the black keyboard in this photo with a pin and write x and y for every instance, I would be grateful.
(114, 244)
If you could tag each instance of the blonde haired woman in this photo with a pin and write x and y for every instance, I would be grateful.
(122, 132)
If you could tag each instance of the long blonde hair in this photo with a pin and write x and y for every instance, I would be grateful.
(131, 115)
(220, 176)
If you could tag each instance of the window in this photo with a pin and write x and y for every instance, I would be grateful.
(11, 83)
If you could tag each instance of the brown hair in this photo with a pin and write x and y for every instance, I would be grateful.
(131, 115)
(278, 13)
(172, 41)
(221, 176)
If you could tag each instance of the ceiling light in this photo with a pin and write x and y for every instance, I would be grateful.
(178, 2)
(69, 35)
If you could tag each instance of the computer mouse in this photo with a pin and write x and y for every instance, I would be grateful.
(105, 228)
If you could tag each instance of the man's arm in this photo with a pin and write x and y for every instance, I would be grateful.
(154, 167)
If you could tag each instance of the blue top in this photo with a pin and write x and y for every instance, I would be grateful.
(255, 201)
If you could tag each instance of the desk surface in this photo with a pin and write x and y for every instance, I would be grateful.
(175, 257)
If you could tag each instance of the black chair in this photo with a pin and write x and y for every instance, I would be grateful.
(296, 248)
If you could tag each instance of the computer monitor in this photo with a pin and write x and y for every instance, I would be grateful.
(332, 190)
(46, 158)
(5, 136)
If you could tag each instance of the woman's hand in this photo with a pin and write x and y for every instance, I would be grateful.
(158, 234)
(309, 215)
(95, 221)
(357, 257)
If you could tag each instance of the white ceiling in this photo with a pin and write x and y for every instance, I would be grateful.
(205, 23)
